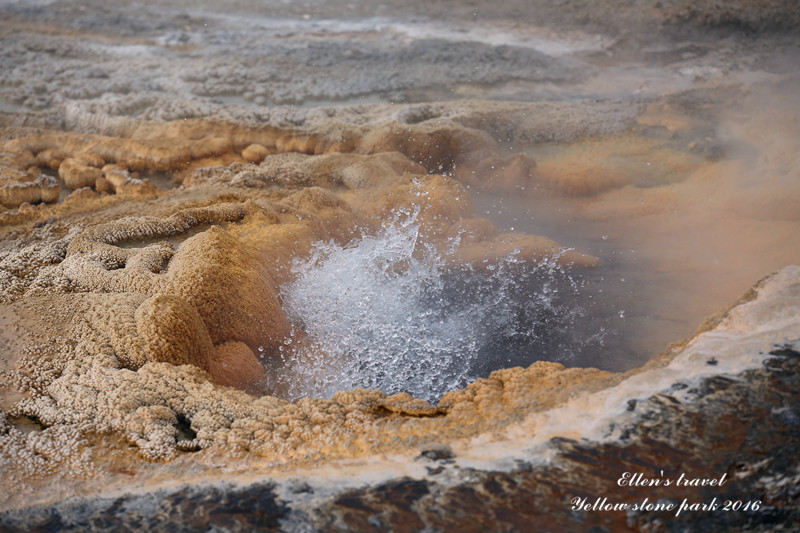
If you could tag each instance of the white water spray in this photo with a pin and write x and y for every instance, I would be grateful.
(385, 312)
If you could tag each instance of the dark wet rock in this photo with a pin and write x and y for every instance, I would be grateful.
(189, 509)
(443, 453)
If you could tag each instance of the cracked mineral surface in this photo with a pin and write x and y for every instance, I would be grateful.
(399, 267)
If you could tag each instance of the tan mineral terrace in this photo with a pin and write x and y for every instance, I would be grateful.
(393, 271)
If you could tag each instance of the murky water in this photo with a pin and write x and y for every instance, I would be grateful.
(626, 298)
(684, 218)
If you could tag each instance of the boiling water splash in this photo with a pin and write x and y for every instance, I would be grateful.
(385, 313)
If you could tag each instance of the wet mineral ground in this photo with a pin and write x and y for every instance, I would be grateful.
(443, 266)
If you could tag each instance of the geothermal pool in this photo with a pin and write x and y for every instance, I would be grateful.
(674, 225)
(320, 266)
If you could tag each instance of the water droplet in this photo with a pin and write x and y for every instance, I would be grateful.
(387, 314)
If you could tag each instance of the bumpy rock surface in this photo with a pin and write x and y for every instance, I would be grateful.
(155, 201)
(663, 436)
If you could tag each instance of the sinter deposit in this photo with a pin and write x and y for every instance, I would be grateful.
(428, 293)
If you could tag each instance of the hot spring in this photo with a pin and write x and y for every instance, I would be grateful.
(389, 312)
(678, 230)
(373, 266)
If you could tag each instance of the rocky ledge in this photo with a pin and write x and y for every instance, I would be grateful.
(707, 436)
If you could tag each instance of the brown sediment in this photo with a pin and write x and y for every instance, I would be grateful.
(21, 182)
(184, 146)
(596, 166)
